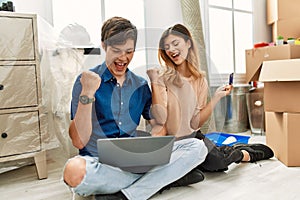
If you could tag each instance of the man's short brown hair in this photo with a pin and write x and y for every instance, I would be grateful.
(118, 30)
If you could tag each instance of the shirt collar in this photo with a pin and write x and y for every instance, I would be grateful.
(107, 76)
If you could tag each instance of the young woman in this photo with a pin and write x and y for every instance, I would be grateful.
(179, 100)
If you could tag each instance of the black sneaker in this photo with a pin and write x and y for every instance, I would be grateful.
(192, 177)
(115, 196)
(256, 151)
(235, 156)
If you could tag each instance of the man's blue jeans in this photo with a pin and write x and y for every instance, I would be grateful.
(104, 179)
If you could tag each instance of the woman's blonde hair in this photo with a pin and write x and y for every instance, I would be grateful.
(192, 59)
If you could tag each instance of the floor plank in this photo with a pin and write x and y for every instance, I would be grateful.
(264, 180)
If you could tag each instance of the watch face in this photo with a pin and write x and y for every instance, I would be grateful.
(85, 99)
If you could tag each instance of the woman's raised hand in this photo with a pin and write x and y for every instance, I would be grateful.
(153, 74)
(223, 91)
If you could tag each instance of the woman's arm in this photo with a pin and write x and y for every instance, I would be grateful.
(157, 130)
(159, 103)
(206, 111)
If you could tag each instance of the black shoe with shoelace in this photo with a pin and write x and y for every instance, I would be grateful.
(256, 151)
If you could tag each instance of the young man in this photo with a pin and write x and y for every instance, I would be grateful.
(108, 101)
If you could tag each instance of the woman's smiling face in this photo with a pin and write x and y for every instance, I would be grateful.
(176, 48)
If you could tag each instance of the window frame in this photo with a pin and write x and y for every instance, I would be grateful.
(219, 79)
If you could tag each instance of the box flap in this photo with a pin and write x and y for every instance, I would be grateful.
(280, 70)
(256, 56)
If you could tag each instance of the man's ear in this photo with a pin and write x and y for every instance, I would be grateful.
(103, 46)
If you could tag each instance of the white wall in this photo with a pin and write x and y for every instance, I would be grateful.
(41, 7)
(262, 32)
(159, 15)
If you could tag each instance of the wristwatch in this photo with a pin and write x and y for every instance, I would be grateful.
(86, 100)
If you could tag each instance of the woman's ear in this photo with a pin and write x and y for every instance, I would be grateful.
(189, 43)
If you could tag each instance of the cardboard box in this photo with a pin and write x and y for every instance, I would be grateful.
(283, 136)
(287, 28)
(282, 9)
(255, 58)
(281, 85)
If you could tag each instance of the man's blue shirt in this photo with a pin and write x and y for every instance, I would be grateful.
(117, 110)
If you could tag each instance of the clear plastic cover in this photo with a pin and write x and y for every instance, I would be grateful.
(35, 87)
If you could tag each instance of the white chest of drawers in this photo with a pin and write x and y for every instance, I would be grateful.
(21, 127)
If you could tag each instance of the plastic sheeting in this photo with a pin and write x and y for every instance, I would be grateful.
(14, 38)
(59, 70)
(60, 64)
(24, 131)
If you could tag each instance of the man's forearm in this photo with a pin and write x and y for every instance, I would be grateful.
(81, 127)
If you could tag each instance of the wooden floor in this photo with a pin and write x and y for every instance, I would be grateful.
(264, 180)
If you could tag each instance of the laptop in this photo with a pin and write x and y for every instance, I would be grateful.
(135, 154)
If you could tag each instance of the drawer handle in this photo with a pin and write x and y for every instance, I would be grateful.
(1, 87)
(4, 135)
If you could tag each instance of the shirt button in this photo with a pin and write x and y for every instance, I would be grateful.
(121, 103)
(120, 123)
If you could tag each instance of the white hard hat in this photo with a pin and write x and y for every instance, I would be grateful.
(75, 36)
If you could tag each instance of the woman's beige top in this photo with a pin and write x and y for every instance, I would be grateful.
(182, 104)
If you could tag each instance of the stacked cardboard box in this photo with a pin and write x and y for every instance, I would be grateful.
(256, 56)
(279, 68)
(284, 16)
(282, 106)
(254, 59)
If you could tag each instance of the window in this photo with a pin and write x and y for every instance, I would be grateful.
(91, 15)
(229, 32)
(134, 11)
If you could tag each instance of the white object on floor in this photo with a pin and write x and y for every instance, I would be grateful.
(229, 140)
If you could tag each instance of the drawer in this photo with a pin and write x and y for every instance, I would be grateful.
(18, 86)
(17, 38)
(19, 133)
